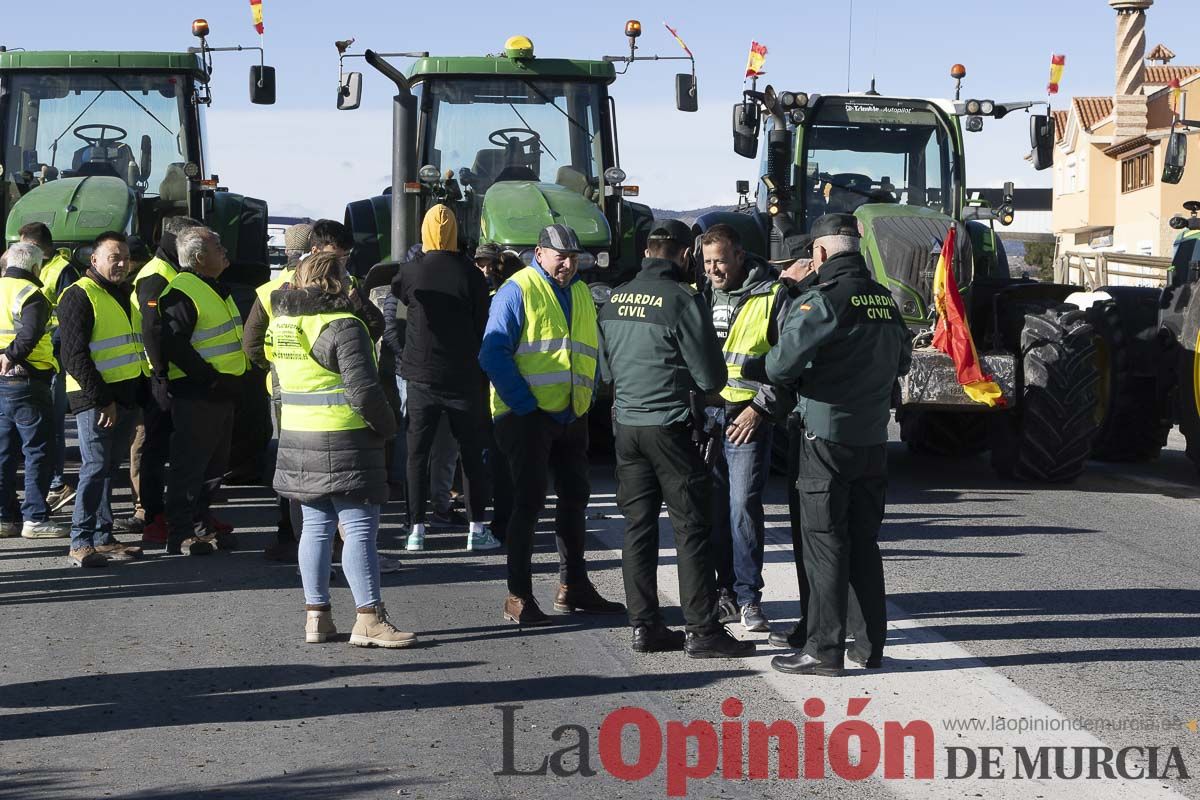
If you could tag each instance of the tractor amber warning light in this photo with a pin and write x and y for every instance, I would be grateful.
(200, 28)
(633, 29)
(958, 72)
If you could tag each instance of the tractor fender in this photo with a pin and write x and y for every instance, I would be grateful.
(369, 221)
(754, 238)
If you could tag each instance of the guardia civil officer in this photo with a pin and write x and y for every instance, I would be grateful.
(658, 345)
(842, 345)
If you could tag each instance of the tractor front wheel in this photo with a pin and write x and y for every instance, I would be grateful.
(1189, 381)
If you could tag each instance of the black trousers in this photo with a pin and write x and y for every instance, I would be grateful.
(656, 464)
(841, 493)
(199, 454)
(501, 485)
(466, 418)
(156, 449)
(795, 429)
(535, 445)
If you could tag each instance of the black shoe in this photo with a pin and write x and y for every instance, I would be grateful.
(716, 645)
(226, 542)
(727, 608)
(753, 619)
(866, 662)
(448, 519)
(793, 639)
(656, 639)
(804, 664)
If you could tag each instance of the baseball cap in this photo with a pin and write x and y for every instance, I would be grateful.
(793, 248)
(836, 225)
(672, 229)
(559, 237)
(488, 250)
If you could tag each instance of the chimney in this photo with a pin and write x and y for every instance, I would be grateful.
(1129, 103)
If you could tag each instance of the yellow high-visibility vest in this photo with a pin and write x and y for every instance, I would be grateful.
(747, 339)
(115, 344)
(558, 362)
(51, 272)
(217, 337)
(14, 293)
(313, 398)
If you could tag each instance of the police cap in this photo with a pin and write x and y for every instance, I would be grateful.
(794, 248)
(836, 225)
(672, 230)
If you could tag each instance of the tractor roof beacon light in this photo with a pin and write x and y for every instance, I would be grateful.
(518, 48)
(200, 28)
(958, 72)
(633, 28)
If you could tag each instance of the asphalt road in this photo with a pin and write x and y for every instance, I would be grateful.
(1072, 610)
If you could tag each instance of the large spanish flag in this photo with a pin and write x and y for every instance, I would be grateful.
(754, 64)
(952, 335)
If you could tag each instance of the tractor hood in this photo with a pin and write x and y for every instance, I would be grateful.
(514, 213)
(75, 209)
(902, 244)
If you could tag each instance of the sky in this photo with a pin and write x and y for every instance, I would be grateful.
(308, 159)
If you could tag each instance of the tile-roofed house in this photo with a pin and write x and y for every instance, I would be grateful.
(1161, 53)
(1091, 110)
(1161, 75)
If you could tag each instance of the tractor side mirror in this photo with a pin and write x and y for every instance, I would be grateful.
(685, 92)
(1041, 138)
(262, 85)
(144, 160)
(1176, 158)
(349, 91)
(745, 129)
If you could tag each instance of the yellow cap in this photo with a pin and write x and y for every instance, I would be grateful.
(518, 47)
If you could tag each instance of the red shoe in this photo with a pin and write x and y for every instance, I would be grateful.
(214, 525)
(155, 532)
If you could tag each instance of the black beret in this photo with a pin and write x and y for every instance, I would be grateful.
(836, 225)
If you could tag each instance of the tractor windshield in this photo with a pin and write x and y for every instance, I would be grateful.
(875, 150)
(123, 125)
(489, 130)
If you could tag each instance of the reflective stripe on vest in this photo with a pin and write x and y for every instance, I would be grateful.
(115, 347)
(312, 397)
(748, 338)
(217, 337)
(14, 292)
(558, 362)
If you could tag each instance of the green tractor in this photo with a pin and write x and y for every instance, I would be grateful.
(97, 141)
(898, 164)
(511, 142)
(1149, 338)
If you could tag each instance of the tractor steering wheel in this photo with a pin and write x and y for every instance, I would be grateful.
(499, 139)
(101, 140)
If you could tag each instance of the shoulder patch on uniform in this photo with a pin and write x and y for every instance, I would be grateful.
(805, 307)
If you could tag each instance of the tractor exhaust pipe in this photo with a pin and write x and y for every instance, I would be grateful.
(404, 154)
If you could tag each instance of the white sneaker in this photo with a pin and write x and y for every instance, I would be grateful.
(482, 541)
(416, 541)
(9, 529)
(45, 530)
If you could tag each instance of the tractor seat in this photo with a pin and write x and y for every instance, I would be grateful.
(518, 172)
(115, 160)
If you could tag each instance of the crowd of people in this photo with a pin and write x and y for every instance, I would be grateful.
(384, 389)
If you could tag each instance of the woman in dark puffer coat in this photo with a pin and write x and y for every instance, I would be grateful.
(331, 451)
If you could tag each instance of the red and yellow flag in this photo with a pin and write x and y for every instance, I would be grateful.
(758, 54)
(952, 335)
(1176, 93)
(681, 44)
(256, 15)
(1056, 70)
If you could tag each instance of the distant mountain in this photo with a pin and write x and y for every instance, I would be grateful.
(688, 216)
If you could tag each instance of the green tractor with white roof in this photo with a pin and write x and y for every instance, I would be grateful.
(511, 142)
(97, 141)
(898, 164)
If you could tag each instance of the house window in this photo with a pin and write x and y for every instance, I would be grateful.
(1137, 172)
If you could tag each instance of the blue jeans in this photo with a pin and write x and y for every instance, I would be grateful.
(58, 386)
(360, 559)
(101, 450)
(740, 474)
(26, 429)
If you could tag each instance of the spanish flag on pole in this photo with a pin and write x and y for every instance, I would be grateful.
(256, 15)
(754, 64)
(952, 335)
(1057, 63)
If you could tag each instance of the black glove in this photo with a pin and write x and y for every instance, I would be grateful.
(755, 369)
(160, 392)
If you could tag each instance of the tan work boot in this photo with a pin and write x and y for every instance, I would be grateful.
(318, 626)
(119, 551)
(372, 629)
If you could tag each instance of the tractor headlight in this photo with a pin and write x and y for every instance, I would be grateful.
(987, 107)
(585, 261)
(527, 256)
(602, 259)
(600, 293)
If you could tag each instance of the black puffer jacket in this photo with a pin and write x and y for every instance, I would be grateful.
(313, 465)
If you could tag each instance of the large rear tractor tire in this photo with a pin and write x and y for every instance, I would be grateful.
(1189, 382)
(944, 433)
(1048, 437)
(1129, 425)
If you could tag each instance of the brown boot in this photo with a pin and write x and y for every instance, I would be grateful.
(117, 551)
(318, 626)
(584, 598)
(372, 629)
(524, 612)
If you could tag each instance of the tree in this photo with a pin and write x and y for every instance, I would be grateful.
(1040, 255)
